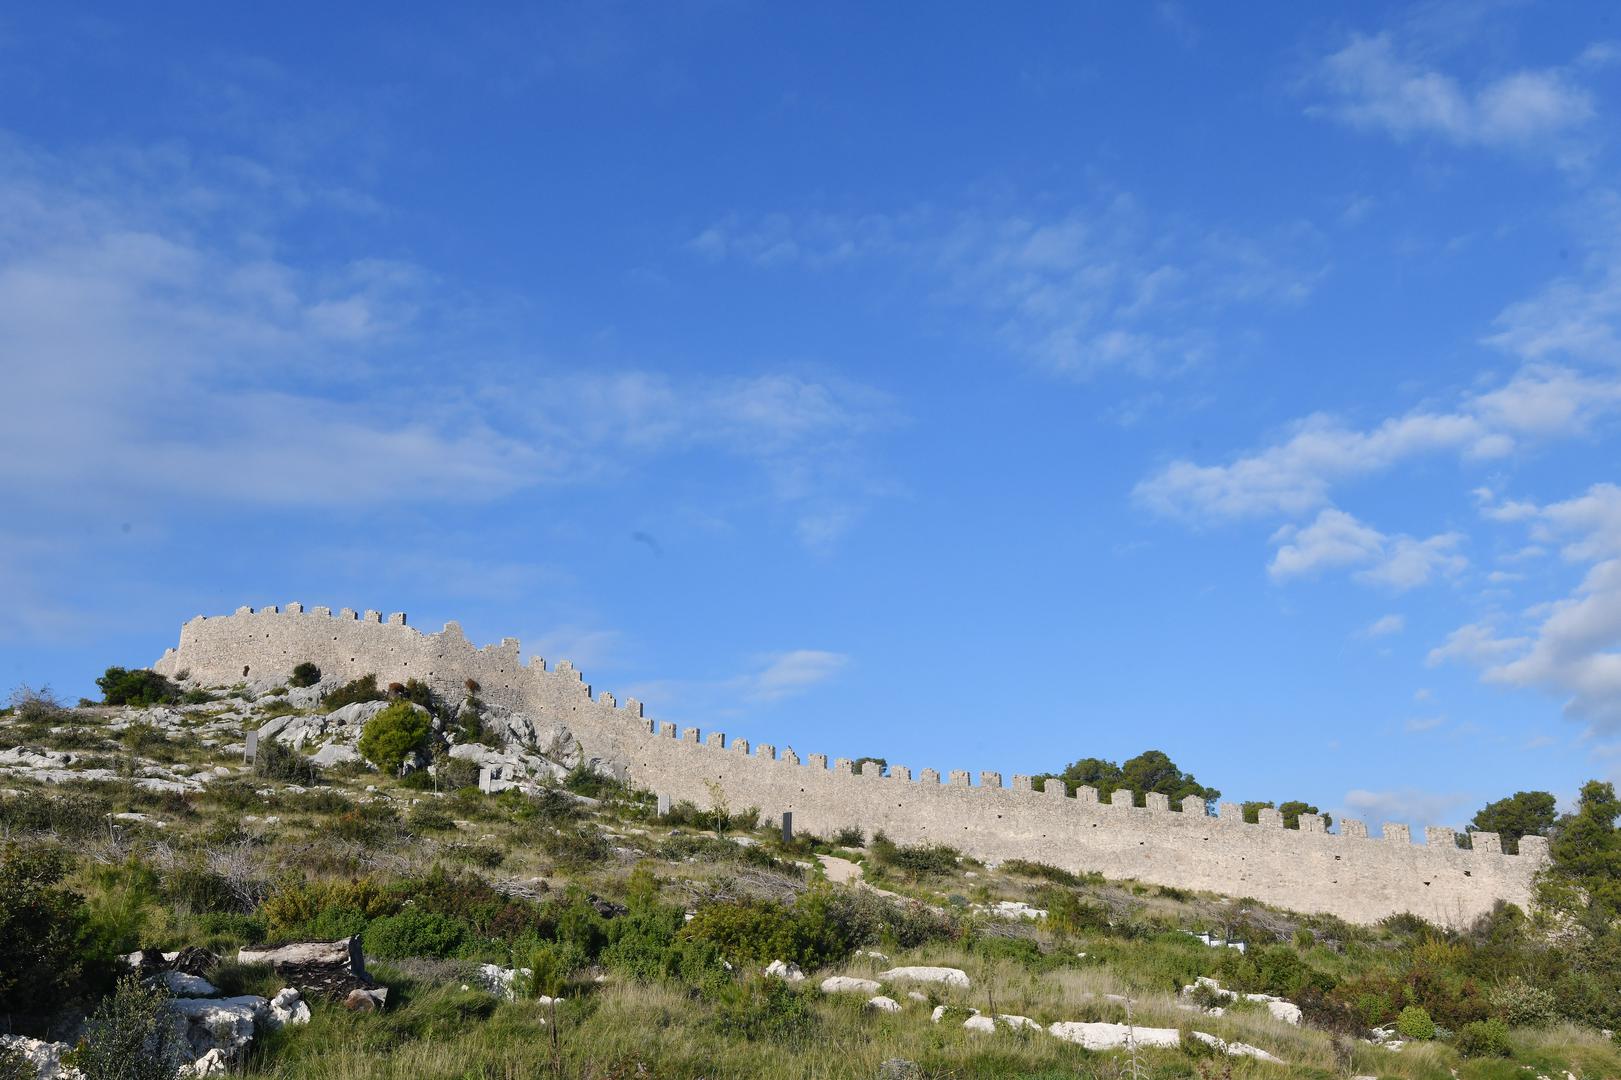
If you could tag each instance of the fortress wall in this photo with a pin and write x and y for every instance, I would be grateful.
(1347, 874)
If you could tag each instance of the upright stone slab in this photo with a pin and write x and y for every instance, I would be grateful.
(664, 806)
(250, 748)
(787, 826)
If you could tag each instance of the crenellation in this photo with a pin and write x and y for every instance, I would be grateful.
(244, 610)
(1396, 832)
(373, 616)
(1488, 843)
(1440, 836)
(1307, 869)
(1269, 818)
(871, 769)
(1120, 797)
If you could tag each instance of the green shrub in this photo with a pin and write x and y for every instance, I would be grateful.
(426, 817)
(131, 1037)
(921, 860)
(549, 970)
(849, 836)
(68, 814)
(1067, 913)
(1521, 1004)
(356, 690)
(40, 926)
(764, 1009)
(278, 761)
(197, 696)
(296, 903)
(305, 674)
(454, 773)
(395, 733)
(1414, 1023)
(195, 888)
(818, 930)
(417, 692)
(414, 933)
(140, 688)
(1044, 871)
(576, 847)
(14, 1065)
(1483, 1038)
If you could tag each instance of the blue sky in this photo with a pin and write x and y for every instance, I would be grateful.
(972, 389)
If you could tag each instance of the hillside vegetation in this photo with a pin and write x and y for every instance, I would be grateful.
(563, 928)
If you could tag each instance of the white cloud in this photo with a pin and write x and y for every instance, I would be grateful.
(1299, 472)
(791, 673)
(1337, 539)
(1410, 805)
(1385, 625)
(143, 310)
(1474, 643)
(1374, 87)
(1419, 724)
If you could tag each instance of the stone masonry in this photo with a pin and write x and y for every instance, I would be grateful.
(1346, 873)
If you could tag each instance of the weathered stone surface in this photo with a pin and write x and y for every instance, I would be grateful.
(883, 1004)
(45, 1057)
(180, 984)
(899, 1069)
(1236, 1049)
(846, 984)
(329, 968)
(502, 981)
(366, 1000)
(787, 972)
(288, 1007)
(945, 976)
(224, 1024)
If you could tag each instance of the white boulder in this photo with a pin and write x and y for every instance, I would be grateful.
(1112, 1036)
(884, 1004)
(787, 972)
(45, 1057)
(946, 976)
(847, 984)
(288, 1007)
(180, 984)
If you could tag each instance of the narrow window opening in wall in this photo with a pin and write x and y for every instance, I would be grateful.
(1336, 858)
(1466, 873)
(244, 669)
(1426, 884)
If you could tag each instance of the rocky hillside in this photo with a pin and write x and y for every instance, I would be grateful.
(350, 903)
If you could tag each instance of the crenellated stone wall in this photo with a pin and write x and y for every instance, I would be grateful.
(1344, 873)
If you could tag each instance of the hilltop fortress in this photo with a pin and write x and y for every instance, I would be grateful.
(1345, 873)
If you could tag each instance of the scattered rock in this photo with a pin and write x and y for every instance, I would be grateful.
(502, 981)
(366, 1000)
(946, 976)
(287, 1007)
(180, 984)
(331, 968)
(1236, 1049)
(787, 972)
(1113, 1036)
(847, 984)
(899, 1069)
(45, 1057)
(212, 1063)
(884, 1004)
(224, 1024)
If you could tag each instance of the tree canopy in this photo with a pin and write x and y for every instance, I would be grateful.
(1525, 813)
(1152, 770)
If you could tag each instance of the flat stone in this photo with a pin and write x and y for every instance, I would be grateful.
(847, 984)
(946, 976)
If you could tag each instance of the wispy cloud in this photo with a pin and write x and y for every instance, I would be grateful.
(1077, 291)
(1385, 626)
(1409, 805)
(1337, 539)
(1372, 85)
(770, 678)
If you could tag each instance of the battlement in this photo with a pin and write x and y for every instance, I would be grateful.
(1344, 872)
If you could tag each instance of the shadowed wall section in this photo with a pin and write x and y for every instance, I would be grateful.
(1347, 873)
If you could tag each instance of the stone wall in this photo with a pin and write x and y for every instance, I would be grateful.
(1344, 873)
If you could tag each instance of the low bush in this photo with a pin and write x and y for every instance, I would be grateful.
(1044, 871)
(414, 932)
(130, 1036)
(397, 732)
(764, 1009)
(1068, 913)
(352, 692)
(139, 688)
(305, 674)
(69, 814)
(277, 761)
(426, 817)
(919, 860)
(1483, 1038)
(576, 847)
(1521, 1004)
(849, 836)
(40, 927)
(296, 904)
(1414, 1023)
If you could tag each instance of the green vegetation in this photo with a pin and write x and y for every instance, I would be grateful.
(1525, 813)
(1152, 770)
(652, 933)
(394, 734)
(139, 688)
(305, 674)
(353, 692)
